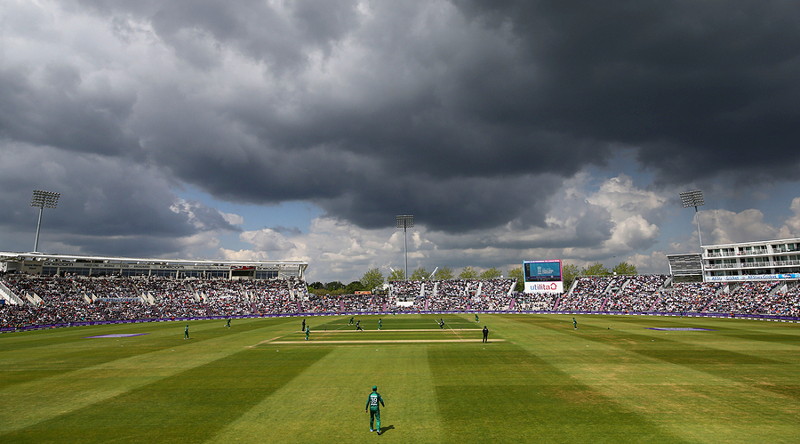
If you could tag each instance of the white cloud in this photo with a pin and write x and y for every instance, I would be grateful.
(336, 249)
(232, 218)
(243, 255)
(624, 200)
(205, 218)
(268, 241)
(654, 262)
(632, 232)
(791, 227)
(629, 208)
(729, 227)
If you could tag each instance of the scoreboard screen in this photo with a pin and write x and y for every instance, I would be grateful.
(542, 271)
(543, 276)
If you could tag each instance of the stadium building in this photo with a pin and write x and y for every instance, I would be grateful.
(747, 261)
(59, 264)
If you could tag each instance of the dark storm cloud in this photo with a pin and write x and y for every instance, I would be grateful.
(52, 105)
(276, 36)
(515, 90)
(702, 88)
(105, 207)
(468, 114)
(140, 245)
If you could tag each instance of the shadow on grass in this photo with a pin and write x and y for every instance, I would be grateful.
(387, 428)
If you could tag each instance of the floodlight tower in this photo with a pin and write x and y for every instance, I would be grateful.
(42, 200)
(694, 199)
(405, 221)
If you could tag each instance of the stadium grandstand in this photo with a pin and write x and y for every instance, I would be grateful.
(39, 290)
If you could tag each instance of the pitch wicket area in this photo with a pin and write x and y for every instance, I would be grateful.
(413, 330)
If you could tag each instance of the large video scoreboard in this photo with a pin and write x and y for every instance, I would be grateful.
(543, 276)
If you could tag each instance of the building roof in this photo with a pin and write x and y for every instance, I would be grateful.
(34, 256)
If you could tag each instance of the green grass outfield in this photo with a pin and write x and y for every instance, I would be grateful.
(538, 380)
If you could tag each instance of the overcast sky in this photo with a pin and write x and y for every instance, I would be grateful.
(512, 130)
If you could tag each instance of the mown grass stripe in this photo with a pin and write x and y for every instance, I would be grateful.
(212, 395)
(74, 351)
(534, 401)
(723, 400)
(325, 403)
(40, 399)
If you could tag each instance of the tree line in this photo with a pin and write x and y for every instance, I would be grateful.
(374, 279)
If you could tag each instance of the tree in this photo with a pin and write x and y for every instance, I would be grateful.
(491, 273)
(443, 274)
(468, 273)
(516, 273)
(334, 285)
(396, 275)
(596, 269)
(372, 279)
(316, 285)
(420, 274)
(568, 274)
(353, 287)
(624, 268)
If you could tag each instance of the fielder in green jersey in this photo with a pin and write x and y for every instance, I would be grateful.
(308, 331)
(380, 324)
(374, 403)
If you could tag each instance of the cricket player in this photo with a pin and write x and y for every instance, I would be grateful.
(308, 332)
(373, 401)
(358, 326)
(186, 332)
(477, 319)
(303, 327)
(228, 323)
(574, 324)
(380, 323)
(485, 334)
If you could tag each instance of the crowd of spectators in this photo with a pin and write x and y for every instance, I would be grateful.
(746, 297)
(452, 294)
(412, 288)
(588, 294)
(687, 297)
(637, 293)
(451, 287)
(70, 299)
(784, 302)
(534, 302)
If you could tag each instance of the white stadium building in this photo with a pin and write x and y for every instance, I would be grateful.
(773, 260)
(61, 264)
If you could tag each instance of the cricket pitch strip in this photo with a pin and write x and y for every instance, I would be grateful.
(320, 337)
(379, 341)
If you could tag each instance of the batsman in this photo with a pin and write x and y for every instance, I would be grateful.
(374, 403)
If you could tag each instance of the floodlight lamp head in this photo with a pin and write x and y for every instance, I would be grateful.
(44, 199)
(405, 220)
(692, 198)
